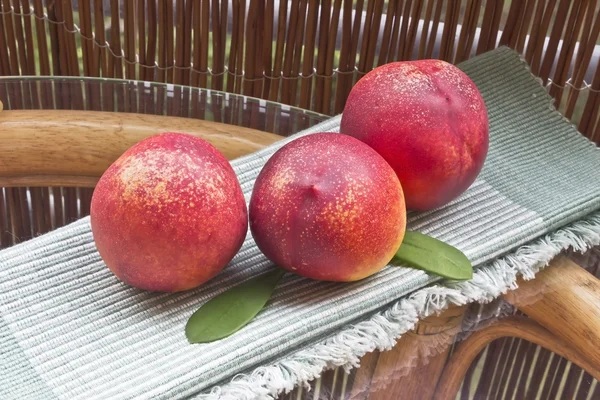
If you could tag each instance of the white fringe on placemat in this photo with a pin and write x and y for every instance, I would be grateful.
(382, 330)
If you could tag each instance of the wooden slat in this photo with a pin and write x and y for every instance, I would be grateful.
(297, 45)
(344, 78)
(39, 147)
(129, 31)
(536, 57)
(387, 31)
(170, 45)
(20, 38)
(4, 221)
(250, 34)
(405, 12)
(28, 29)
(308, 55)
(331, 48)
(412, 30)
(433, 35)
(590, 35)
(467, 33)
(5, 64)
(555, 36)
(10, 39)
(565, 58)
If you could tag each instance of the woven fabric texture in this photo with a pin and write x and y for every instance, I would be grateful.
(70, 330)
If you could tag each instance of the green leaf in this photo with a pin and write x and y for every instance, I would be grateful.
(434, 256)
(231, 310)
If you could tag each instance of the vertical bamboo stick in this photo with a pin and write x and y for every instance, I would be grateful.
(565, 58)
(85, 26)
(267, 47)
(528, 15)
(71, 45)
(99, 30)
(115, 63)
(141, 38)
(162, 34)
(467, 33)
(555, 36)
(217, 67)
(343, 68)
(5, 64)
(289, 53)
(197, 46)
(387, 30)
(180, 42)
(373, 34)
(536, 57)
(331, 48)
(28, 29)
(11, 39)
(511, 26)
(592, 105)
(130, 50)
(90, 68)
(169, 26)
(434, 29)
(425, 30)
(241, 38)
(309, 54)
(260, 38)
(364, 46)
(58, 207)
(15, 224)
(17, 28)
(587, 45)
(409, 49)
(279, 51)
(250, 34)
(187, 34)
(152, 72)
(298, 48)
(4, 221)
(449, 33)
(395, 35)
(399, 51)
(535, 26)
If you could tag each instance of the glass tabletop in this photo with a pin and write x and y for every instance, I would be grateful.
(506, 368)
(116, 95)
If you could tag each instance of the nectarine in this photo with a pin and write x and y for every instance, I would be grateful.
(328, 207)
(169, 214)
(428, 121)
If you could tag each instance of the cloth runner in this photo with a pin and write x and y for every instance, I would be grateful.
(70, 330)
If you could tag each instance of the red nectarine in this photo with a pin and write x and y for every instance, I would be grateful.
(169, 214)
(429, 122)
(328, 207)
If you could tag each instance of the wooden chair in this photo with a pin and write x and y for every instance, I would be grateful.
(306, 54)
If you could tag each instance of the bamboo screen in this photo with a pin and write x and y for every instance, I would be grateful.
(306, 53)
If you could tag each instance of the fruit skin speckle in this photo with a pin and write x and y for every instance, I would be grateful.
(328, 207)
(428, 120)
(169, 214)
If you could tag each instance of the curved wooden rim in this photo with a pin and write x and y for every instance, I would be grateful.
(74, 148)
(516, 326)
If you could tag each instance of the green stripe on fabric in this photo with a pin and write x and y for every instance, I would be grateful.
(527, 134)
(15, 368)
